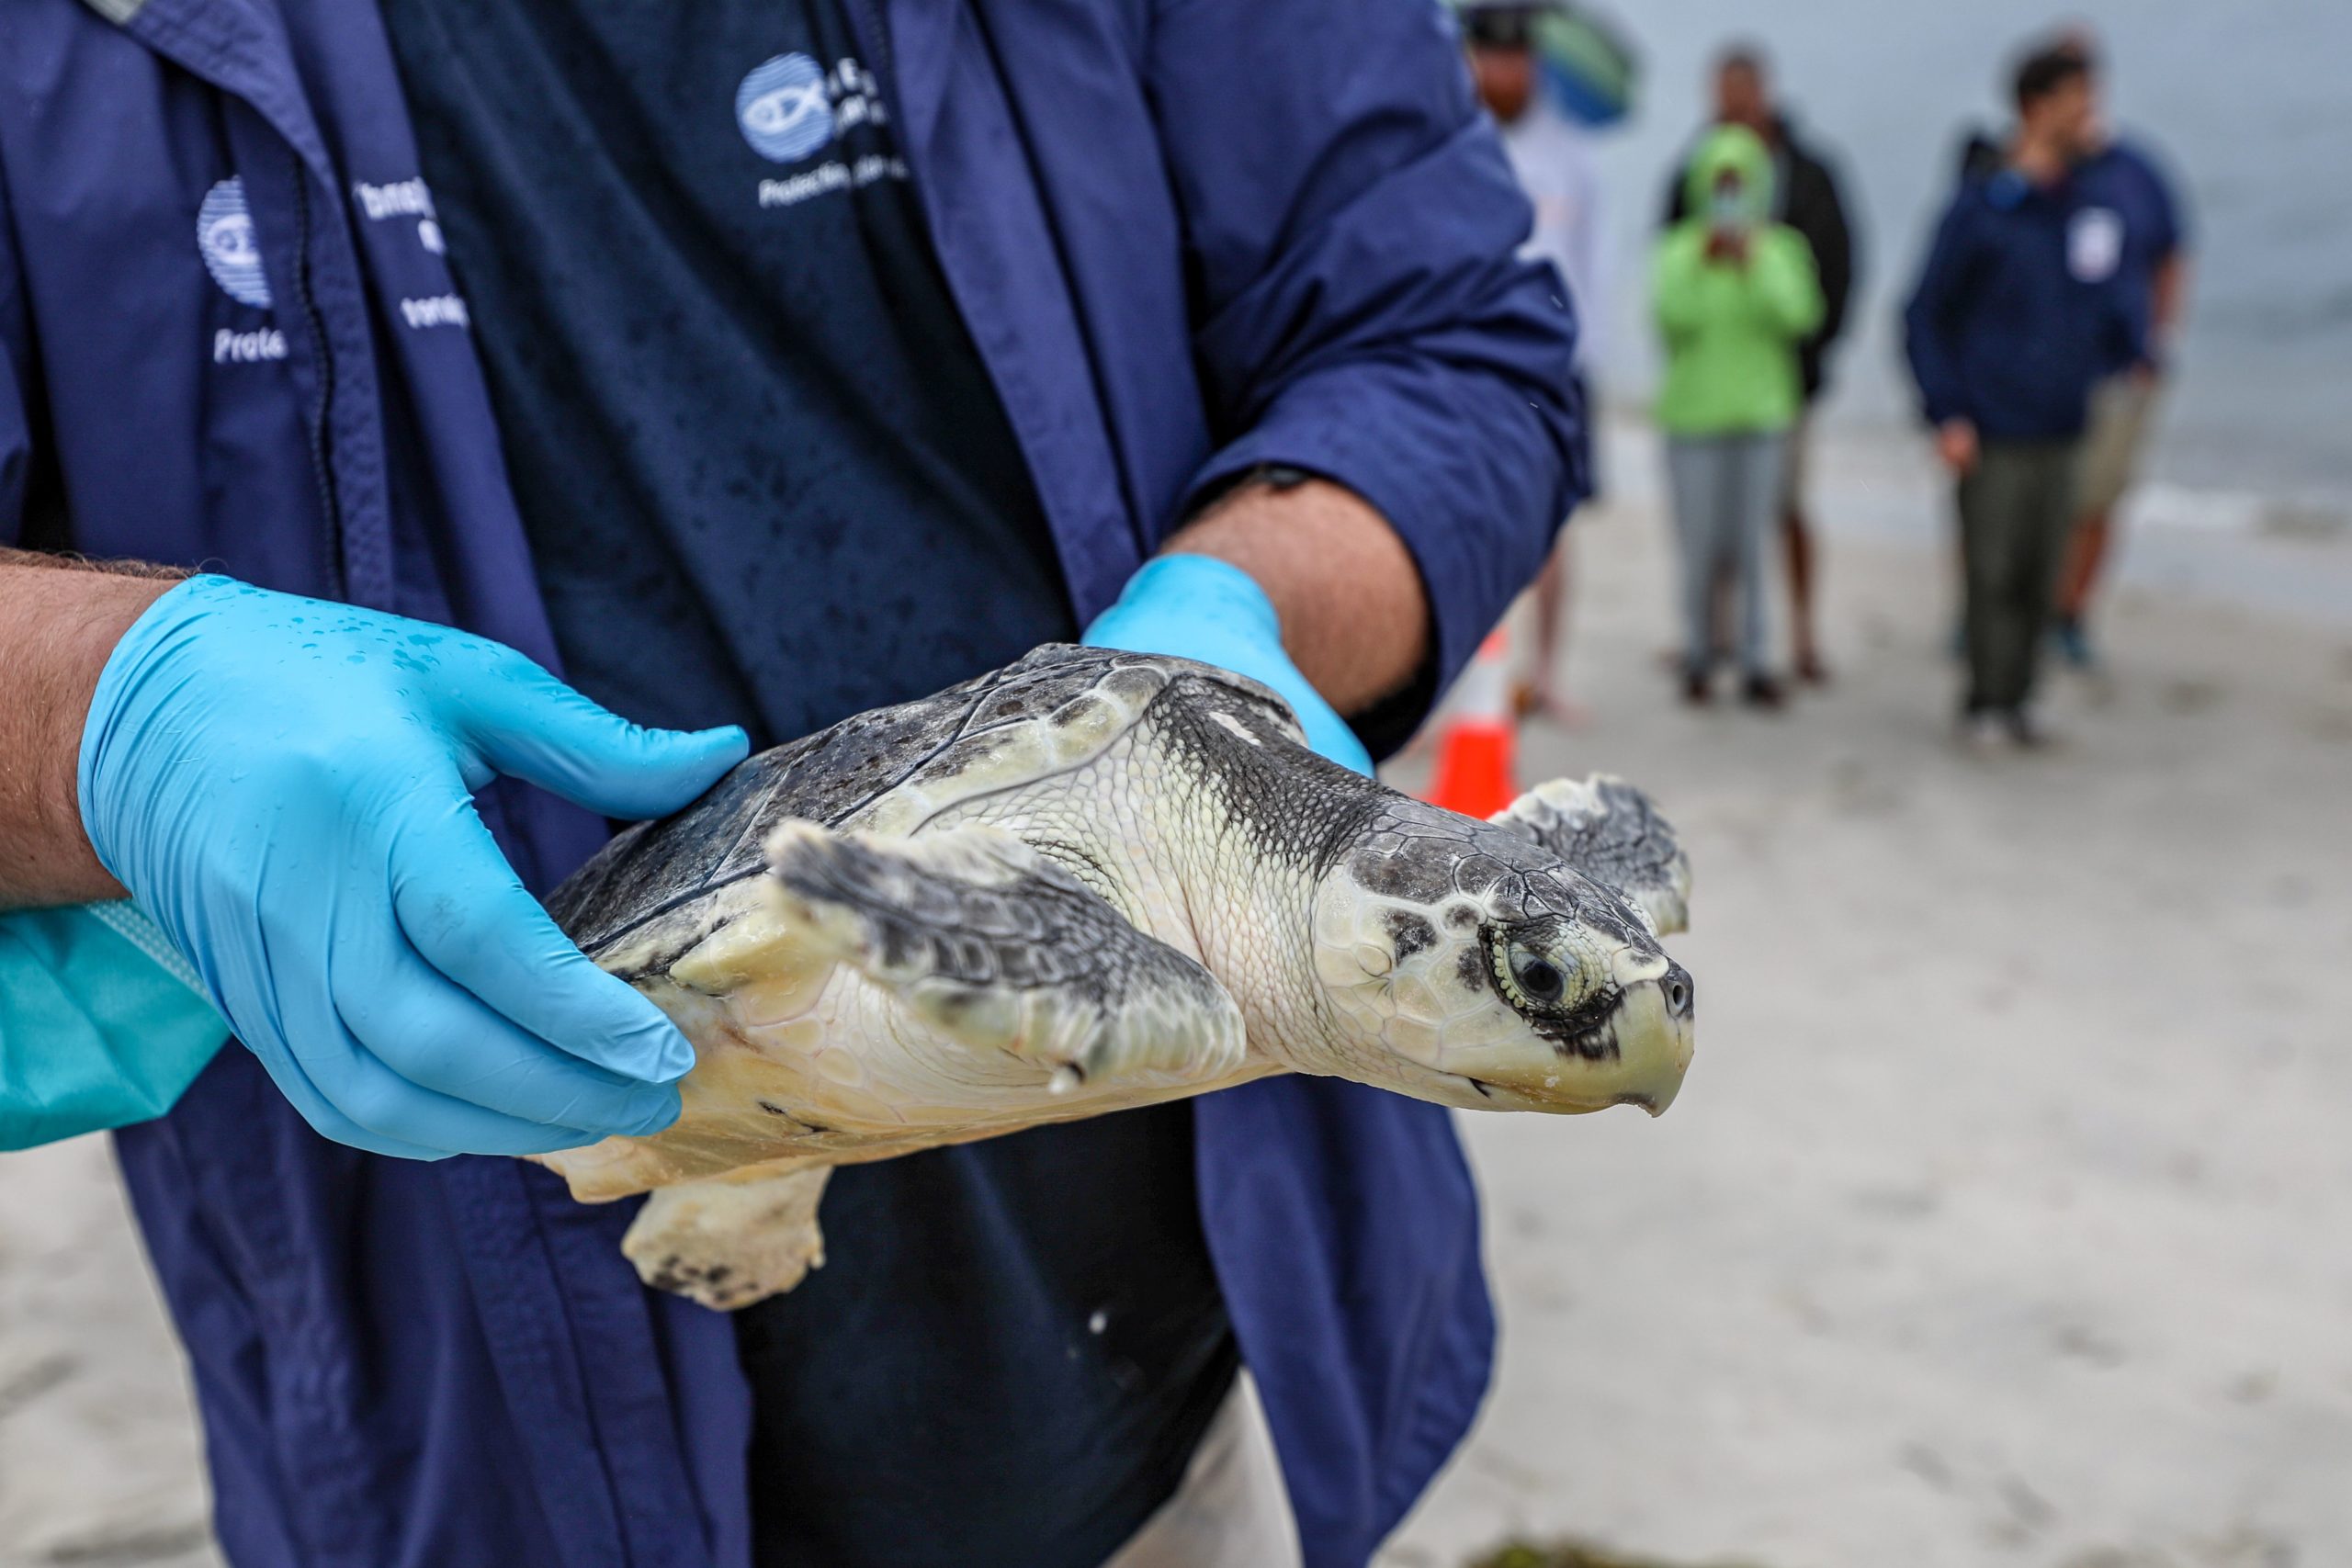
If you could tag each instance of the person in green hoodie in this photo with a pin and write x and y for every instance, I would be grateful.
(1735, 295)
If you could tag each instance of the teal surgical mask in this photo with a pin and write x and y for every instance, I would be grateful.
(101, 1024)
(1729, 208)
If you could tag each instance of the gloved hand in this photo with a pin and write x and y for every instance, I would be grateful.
(284, 785)
(1201, 607)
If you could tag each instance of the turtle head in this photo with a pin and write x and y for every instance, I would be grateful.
(1466, 963)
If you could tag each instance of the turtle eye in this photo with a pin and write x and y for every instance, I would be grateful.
(1538, 978)
(1528, 972)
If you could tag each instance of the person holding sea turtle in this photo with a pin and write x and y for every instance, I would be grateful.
(753, 374)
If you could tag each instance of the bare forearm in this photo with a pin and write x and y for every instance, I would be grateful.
(2168, 297)
(1355, 617)
(59, 619)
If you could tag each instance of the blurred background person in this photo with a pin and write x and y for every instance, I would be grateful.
(2017, 314)
(1806, 197)
(1551, 153)
(1735, 295)
(2118, 175)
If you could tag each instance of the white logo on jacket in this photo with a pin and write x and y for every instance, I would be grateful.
(248, 348)
(784, 108)
(437, 311)
(2095, 245)
(224, 237)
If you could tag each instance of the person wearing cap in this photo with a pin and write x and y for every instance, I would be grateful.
(1552, 155)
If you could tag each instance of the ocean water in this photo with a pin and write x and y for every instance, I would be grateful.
(2248, 103)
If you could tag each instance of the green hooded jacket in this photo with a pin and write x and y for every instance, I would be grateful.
(1731, 329)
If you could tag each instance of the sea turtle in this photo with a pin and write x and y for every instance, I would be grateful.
(1088, 881)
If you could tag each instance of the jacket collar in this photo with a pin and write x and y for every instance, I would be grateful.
(241, 48)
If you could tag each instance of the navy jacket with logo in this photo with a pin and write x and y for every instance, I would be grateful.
(1191, 237)
(2020, 310)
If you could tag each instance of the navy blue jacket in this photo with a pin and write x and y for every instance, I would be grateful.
(2125, 178)
(2021, 309)
(1190, 239)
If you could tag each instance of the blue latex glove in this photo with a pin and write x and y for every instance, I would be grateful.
(1200, 607)
(101, 1023)
(284, 787)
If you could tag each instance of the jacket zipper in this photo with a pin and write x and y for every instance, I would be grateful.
(322, 469)
(877, 34)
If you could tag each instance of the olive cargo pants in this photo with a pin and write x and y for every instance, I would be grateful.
(2016, 509)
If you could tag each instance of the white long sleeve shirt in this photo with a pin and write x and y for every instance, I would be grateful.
(1552, 157)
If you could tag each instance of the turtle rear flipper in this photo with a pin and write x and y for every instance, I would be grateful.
(987, 942)
(734, 1239)
(1612, 833)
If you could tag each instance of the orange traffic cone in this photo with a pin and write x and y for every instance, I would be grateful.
(1478, 738)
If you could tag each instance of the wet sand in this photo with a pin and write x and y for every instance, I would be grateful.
(2004, 1218)
(98, 1455)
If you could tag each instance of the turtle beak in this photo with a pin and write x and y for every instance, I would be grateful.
(1636, 1055)
(1653, 1029)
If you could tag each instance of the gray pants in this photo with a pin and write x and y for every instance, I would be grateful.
(1727, 492)
(2017, 510)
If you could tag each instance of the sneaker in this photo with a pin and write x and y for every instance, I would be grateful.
(1697, 690)
(1985, 733)
(1762, 692)
(2073, 643)
(2023, 731)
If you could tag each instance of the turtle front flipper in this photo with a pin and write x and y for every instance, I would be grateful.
(1612, 833)
(987, 943)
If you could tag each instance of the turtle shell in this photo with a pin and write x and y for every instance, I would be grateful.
(661, 886)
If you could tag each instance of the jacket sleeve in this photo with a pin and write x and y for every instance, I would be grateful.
(1678, 192)
(1832, 239)
(2164, 207)
(1677, 265)
(15, 370)
(1359, 311)
(1928, 320)
(1783, 284)
(1590, 249)
(2124, 332)
(101, 1025)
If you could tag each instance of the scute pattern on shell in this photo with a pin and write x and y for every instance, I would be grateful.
(1294, 807)
(837, 774)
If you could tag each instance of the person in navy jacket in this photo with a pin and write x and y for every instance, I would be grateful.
(2129, 178)
(2017, 315)
(740, 370)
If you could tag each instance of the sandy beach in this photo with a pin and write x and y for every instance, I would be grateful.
(2002, 1219)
